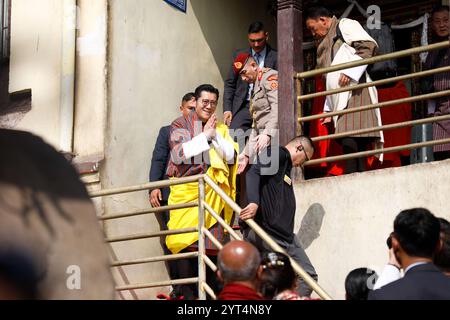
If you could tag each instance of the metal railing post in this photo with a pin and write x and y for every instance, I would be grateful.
(201, 240)
(298, 83)
(267, 239)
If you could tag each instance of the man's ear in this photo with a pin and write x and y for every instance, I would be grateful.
(439, 246)
(267, 35)
(219, 276)
(259, 272)
(395, 244)
(323, 20)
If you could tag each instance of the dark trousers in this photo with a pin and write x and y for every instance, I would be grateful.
(242, 118)
(171, 265)
(441, 155)
(293, 249)
(241, 122)
(352, 145)
(188, 268)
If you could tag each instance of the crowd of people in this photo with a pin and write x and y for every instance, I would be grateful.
(418, 267)
(242, 155)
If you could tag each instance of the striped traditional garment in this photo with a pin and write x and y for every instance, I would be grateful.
(358, 120)
(182, 130)
(441, 82)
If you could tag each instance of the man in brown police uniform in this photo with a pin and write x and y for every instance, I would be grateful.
(263, 105)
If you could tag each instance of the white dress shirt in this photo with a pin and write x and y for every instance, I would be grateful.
(261, 60)
(199, 144)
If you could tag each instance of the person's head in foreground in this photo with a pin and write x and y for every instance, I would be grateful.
(416, 236)
(239, 269)
(278, 278)
(359, 282)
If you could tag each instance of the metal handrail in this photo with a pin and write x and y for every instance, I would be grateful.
(155, 259)
(209, 262)
(145, 186)
(151, 235)
(383, 127)
(212, 238)
(266, 238)
(221, 221)
(380, 58)
(376, 105)
(374, 83)
(434, 95)
(157, 284)
(203, 259)
(150, 210)
(208, 290)
(378, 151)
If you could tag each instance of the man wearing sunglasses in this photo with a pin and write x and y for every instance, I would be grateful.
(272, 201)
(236, 100)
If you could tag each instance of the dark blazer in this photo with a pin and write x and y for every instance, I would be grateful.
(160, 158)
(235, 90)
(423, 282)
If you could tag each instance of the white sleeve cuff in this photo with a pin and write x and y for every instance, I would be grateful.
(223, 147)
(196, 146)
(327, 105)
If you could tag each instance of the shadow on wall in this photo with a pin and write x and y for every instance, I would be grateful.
(311, 225)
(225, 23)
(13, 107)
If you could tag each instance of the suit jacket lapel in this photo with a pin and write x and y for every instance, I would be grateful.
(269, 60)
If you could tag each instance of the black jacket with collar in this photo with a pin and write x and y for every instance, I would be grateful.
(160, 158)
(236, 90)
(422, 282)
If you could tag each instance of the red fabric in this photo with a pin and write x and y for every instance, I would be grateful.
(392, 114)
(235, 291)
(324, 148)
(395, 114)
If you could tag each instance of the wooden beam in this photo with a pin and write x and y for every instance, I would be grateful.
(290, 60)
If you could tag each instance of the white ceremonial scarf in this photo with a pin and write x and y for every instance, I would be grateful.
(351, 31)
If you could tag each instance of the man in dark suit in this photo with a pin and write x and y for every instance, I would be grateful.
(160, 158)
(237, 92)
(416, 238)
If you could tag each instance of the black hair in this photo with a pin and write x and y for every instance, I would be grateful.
(417, 230)
(277, 275)
(255, 27)
(317, 12)
(359, 282)
(207, 88)
(442, 258)
(188, 97)
(439, 8)
(304, 140)
(19, 269)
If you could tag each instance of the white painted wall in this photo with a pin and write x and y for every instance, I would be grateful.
(36, 63)
(90, 95)
(344, 221)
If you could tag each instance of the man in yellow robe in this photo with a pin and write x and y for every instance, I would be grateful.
(200, 145)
